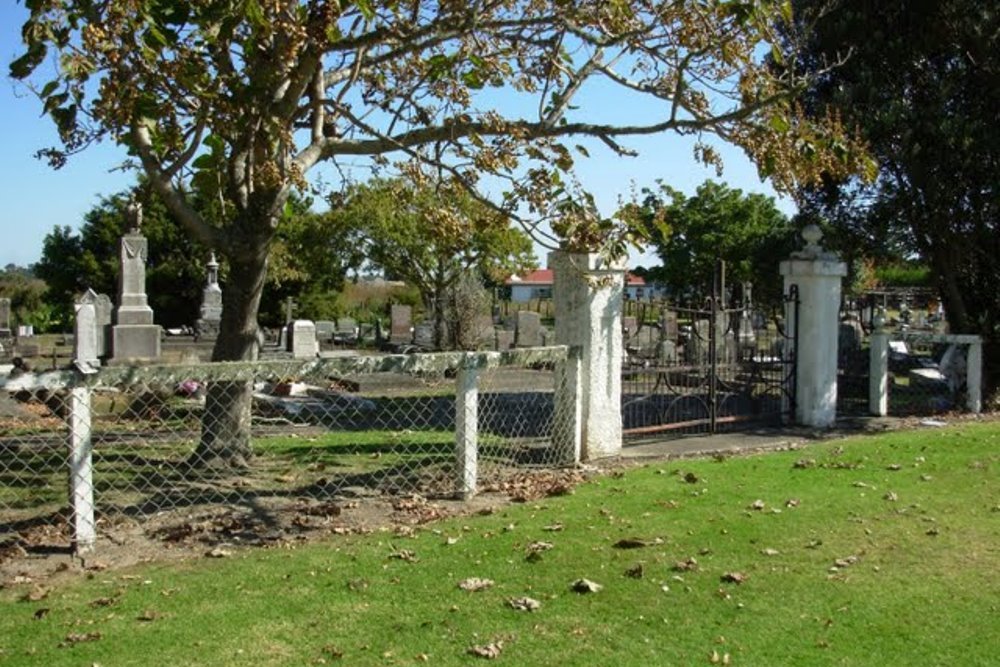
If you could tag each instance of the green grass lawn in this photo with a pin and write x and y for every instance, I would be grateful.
(871, 551)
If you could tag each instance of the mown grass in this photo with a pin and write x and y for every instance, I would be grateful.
(913, 516)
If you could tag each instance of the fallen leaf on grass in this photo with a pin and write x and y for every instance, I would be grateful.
(805, 463)
(585, 586)
(148, 616)
(219, 552)
(103, 602)
(635, 572)
(757, 505)
(489, 651)
(41, 613)
(792, 502)
(524, 604)
(848, 561)
(636, 543)
(716, 659)
(686, 565)
(36, 594)
(769, 552)
(734, 577)
(404, 555)
(553, 527)
(79, 638)
(475, 584)
(691, 478)
(891, 496)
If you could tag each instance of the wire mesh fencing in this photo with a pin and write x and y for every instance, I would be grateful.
(138, 441)
(908, 373)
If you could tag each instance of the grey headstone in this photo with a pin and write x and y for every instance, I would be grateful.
(4, 317)
(133, 307)
(423, 335)
(696, 346)
(302, 339)
(504, 339)
(325, 329)
(85, 335)
(529, 329)
(850, 335)
(400, 324)
(347, 329)
(630, 325)
(134, 336)
(210, 315)
(668, 324)
(103, 315)
(667, 352)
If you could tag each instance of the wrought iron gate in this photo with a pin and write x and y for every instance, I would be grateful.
(708, 369)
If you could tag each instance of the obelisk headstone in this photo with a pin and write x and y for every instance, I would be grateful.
(207, 325)
(5, 318)
(134, 336)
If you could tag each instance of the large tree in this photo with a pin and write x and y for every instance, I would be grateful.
(747, 231)
(921, 81)
(242, 98)
(432, 236)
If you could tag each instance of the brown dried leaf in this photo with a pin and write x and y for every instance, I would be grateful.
(636, 543)
(489, 651)
(553, 527)
(36, 594)
(41, 613)
(80, 637)
(219, 552)
(524, 604)
(686, 565)
(103, 602)
(757, 505)
(734, 577)
(637, 571)
(148, 615)
(585, 586)
(404, 555)
(475, 584)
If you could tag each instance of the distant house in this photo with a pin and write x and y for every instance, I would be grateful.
(538, 285)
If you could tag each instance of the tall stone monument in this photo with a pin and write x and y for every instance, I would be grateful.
(5, 318)
(207, 325)
(134, 337)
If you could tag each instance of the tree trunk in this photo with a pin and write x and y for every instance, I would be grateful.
(225, 431)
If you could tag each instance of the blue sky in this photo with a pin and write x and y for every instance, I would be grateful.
(37, 198)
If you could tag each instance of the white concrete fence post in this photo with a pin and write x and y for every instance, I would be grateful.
(974, 376)
(588, 292)
(81, 471)
(878, 371)
(467, 428)
(567, 427)
(818, 274)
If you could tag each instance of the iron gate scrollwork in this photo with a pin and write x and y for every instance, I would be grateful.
(708, 369)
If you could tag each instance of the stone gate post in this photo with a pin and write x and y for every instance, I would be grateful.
(588, 291)
(818, 274)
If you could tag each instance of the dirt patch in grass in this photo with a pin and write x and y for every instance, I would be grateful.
(39, 552)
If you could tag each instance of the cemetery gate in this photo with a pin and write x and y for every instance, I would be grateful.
(708, 369)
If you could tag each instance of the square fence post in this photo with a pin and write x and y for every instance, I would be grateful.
(81, 471)
(878, 374)
(467, 429)
(974, 376)
(567, 426)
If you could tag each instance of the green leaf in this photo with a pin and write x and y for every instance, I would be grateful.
(779, 123)
(583, 151)
(366, 9)
(49, 88)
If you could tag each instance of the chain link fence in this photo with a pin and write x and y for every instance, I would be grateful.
(139, 441)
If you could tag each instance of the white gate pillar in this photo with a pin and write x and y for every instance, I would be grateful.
(818, 274)
(588, 290)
